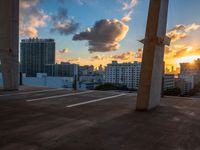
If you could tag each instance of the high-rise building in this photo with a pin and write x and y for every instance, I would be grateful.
(35, 54)
(125, 74)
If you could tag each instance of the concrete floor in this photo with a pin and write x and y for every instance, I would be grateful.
(49, 120)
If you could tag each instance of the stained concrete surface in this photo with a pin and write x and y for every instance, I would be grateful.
(110, 124)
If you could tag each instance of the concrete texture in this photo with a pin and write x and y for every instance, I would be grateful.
(9, 38)
(152, 61)
(111, 124)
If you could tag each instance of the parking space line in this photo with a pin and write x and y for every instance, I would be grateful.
(32, 92)
(58, 96)
(96, 100)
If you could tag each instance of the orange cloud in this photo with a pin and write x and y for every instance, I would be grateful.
(182, 31)
(127, 17)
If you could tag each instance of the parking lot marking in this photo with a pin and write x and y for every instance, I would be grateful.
(32, 92)
(96, 100)
(58, 96)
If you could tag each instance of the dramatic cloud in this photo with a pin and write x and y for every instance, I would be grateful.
(183, 50)
(181, 53)
(104, 36)
(31, 17)
(182, 31)
(187, 51)
(62, 23)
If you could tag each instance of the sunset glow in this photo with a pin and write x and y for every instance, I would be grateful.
(104, 35)
(189, 59)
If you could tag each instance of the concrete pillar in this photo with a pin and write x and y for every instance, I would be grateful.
(9, 39)
(152, 62)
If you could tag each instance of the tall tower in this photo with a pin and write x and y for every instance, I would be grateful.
(9, 38)
(35, 54)
(152, 62)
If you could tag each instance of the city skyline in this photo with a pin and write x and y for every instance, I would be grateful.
(62, 20)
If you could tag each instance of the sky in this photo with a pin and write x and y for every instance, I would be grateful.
(94, 32)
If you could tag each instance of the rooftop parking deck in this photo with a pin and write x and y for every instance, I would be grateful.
(59, 119)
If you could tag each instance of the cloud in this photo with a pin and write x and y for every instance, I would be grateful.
(128, 7)
(62, 24)
(138, 54)
(31, 17)
(127, 17)
(63, 51)
(124, 57)
(182, 31)
(69, 60)
(104, 36)
(74, 60)
(187, 51)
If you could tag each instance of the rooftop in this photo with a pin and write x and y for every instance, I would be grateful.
(58, 119)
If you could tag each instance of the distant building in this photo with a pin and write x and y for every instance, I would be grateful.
(86, 70)
(188, 78)
(190, 68)
(184, 85)
(62, 70)
(100, 70)
(169, 81)
(35, 54)
(42, 79)
(94, 78)
(125, 74)
(190, 71)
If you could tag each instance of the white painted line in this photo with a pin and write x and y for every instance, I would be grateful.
(96, 100)
(58, 96)
(32, 92)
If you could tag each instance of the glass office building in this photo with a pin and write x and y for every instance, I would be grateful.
(35, 54)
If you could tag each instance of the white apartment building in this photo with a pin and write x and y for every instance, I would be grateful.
(125, 74)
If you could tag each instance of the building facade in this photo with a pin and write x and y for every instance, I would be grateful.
(86, 70)
(125, 74)
(62, 70)
(190, 71)
(35, 54)
(169, 81)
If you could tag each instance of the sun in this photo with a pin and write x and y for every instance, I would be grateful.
(188, 59)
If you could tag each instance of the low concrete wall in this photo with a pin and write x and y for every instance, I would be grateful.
(54, 82)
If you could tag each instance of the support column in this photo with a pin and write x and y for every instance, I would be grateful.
(9, 39)
(149, 92)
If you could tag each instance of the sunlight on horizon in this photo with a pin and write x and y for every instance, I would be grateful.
(187, 59)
